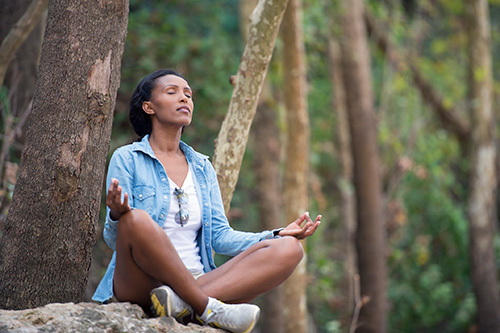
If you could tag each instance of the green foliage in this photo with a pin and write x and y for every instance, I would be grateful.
(429, 267)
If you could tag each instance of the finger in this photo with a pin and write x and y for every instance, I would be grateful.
(125, 202)
(308, 218)
(302, 218)
(111, 186)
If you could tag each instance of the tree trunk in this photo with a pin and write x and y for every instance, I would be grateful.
(297, 155)
(482, 192)
(233, 135)
(45, 252)
(370, 236)
(266, 165)
(345, 180)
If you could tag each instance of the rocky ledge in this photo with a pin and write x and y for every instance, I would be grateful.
(91, 317)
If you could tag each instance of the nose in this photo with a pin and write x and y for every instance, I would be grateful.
(183, 98)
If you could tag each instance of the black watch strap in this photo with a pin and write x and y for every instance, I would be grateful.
(277, 231)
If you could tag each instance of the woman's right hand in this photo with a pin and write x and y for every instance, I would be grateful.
(114, 201)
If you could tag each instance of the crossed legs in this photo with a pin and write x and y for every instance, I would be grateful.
(146, 259)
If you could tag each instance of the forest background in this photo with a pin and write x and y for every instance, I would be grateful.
(422, 164)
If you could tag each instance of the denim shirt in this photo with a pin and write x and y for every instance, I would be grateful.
(142, 176)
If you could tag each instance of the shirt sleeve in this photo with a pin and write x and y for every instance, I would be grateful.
(121, 168)
(226, 240)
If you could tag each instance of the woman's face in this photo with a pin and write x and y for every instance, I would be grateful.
(171, 102)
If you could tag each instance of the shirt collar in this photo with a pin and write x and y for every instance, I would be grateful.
(191, 155)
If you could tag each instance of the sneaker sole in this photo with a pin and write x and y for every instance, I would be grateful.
(162, 305)
(250, 329)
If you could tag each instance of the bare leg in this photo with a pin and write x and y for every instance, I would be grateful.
(146, 259)
(258, 269)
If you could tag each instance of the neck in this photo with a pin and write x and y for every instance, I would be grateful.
(165, 142)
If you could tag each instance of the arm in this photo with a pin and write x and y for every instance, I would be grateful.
(228, 241)
(119, 188)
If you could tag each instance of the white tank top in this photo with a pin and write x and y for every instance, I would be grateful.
(184, 237)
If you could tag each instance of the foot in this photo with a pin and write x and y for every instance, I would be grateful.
(238, 318)
(167, 303)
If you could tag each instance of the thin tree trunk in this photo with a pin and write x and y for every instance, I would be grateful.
(233, 135)
(345, 180)
(20, 79)
(482, 193)
(266, 165)
(19, 33)
(297, 156)
(45, 252)
(370, 236)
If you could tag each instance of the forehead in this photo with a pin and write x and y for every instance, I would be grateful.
(171, 80)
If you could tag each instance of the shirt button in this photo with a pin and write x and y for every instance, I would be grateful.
(163, 179)
(161, 215)
(164, 197)
(140, 195)
(206, 204)
(206, 224)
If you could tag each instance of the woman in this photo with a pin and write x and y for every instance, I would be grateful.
(165, 218)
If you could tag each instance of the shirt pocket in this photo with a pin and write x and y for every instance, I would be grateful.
(144, 198)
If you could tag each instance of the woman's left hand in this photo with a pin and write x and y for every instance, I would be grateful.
(295, 229)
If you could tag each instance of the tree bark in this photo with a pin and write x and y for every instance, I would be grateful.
(482, 182)
(45, 252)
(297, 155)
(233, 135)
(370, 236)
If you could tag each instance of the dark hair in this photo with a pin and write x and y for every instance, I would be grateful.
(139, 119)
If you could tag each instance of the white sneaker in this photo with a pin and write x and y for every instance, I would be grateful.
(237, 318)
(167, 303)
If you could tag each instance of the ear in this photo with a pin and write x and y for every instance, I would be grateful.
(148, 108)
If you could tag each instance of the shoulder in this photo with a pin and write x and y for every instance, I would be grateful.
(192, 155)
(130, 150)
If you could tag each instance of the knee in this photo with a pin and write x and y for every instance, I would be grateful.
(290, 250)
(136, 220)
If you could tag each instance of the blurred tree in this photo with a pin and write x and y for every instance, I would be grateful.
(481, 199)
(19, 32)
(19, 84)
(295, 185)
(265, 142)
(477, 141)
(370, 235)
(345, 179)
(233, 135)
(45, 252)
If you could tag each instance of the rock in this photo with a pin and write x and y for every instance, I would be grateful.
(91, 317)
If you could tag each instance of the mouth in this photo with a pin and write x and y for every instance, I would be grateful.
(184, 109)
